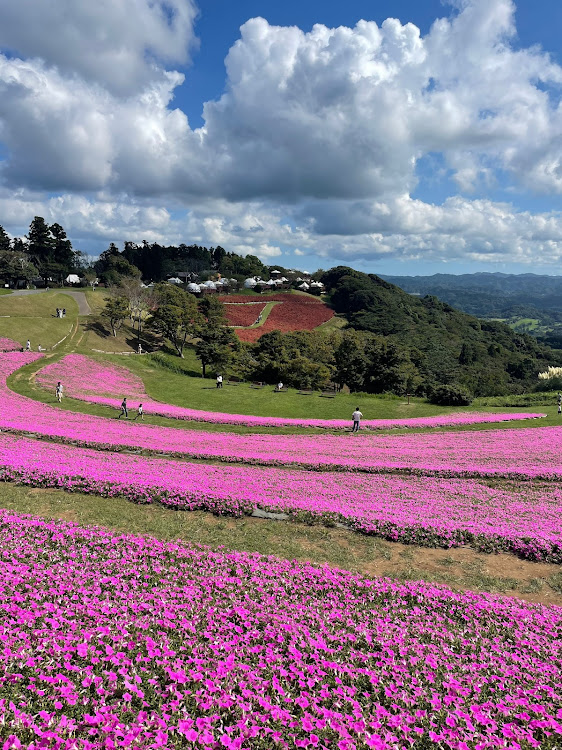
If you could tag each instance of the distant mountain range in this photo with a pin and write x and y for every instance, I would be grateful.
(527, 302)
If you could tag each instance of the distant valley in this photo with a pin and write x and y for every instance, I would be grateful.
(528, 303)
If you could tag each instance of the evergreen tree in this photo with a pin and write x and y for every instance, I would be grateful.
(4, 240)
(217, 340)
(41, 245)
(63, 254)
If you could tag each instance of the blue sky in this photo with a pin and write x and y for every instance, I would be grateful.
(404, 146)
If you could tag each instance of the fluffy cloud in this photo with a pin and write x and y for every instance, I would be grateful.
(314, 143)
(459, 230)
(116, 44)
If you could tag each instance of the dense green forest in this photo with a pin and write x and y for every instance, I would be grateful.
(444, 346)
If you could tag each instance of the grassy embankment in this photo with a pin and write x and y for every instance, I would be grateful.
(176, 381)
(33, 317)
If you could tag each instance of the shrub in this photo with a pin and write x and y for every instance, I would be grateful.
(450, 395)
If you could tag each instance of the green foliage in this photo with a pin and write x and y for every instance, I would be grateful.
(116, 310)
(176, 316)
(300, 358)
(433, 344)
(41, 242)
(215, 346)
(112, 267)
(5, 244)
(16, 267)
(450, 395)
(50, 250)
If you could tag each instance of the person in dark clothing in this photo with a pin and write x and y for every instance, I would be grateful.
(124, 409)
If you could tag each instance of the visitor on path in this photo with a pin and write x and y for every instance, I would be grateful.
(58, 391)
(40, 348)
(124, 409)
(219, 381)
(356, 416)
(28, 346)
(140, 413)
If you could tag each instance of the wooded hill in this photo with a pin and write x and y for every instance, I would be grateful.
(446, 346)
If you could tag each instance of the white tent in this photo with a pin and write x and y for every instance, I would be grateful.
(72, 278)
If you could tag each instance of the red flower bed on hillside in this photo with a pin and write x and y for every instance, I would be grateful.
(296, 313)
(243, 315)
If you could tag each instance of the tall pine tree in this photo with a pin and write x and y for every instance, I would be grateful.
(4, 240)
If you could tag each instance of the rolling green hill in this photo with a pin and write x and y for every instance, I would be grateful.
(445, 345)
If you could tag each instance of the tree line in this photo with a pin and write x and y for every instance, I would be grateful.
(46, 253)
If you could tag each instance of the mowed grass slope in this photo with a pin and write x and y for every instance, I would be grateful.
(33, 317)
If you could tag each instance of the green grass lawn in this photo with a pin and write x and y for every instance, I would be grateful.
(22, 382)
(38, 305)
(198, 393)
(96, 299)
(33, 317)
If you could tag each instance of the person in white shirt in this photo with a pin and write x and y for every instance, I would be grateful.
(140, 413)
(58, 392)
(219, 381)
(356, 416)
(28, 346)
(279, 386)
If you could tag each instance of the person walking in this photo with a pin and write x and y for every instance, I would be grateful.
(28, 346)
(140, 413)
(58, 392)
(124, 409)
(219, 381)
(356, 416)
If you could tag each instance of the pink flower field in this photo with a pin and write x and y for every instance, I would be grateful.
(432, 512)
(505, 453)
(103, 383)
(9, 345)
(117, 641)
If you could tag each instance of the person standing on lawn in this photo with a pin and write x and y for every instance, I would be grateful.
(124, 409)
(356, 416)
(58, 392)
(219, 381)
(28, 346)
(140, 413)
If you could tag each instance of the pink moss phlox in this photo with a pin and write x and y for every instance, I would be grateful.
(111, 640)
(432, 512)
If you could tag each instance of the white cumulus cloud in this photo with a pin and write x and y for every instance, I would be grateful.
(315, 143)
